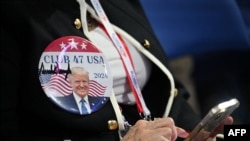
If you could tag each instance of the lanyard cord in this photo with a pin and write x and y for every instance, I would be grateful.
(137, 45)
(141, 106)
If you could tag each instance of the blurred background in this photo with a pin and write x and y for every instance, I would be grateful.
(208, 45)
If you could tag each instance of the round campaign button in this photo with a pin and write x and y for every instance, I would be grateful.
(75, 75)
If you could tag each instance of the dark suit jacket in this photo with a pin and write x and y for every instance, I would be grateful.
(69, 103)
(28, 27)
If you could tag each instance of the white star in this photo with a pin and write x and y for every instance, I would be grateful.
(83, 45)
(73, 44)
(62, 45)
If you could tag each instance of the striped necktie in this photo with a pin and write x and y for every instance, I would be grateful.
(83, 107)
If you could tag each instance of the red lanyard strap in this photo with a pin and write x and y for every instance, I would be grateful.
(126, 59)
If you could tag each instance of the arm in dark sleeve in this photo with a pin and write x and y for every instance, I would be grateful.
(182, 112)
(9, 85)
(10, 70)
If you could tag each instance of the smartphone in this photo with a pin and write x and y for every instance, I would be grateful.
(212, 120)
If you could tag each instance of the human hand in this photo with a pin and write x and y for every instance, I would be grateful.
(161, 129)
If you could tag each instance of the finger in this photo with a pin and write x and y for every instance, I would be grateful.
(228, 120)
(181, 132)
(165, 122)
(159, 134)
(220, 128)
(164, 132)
